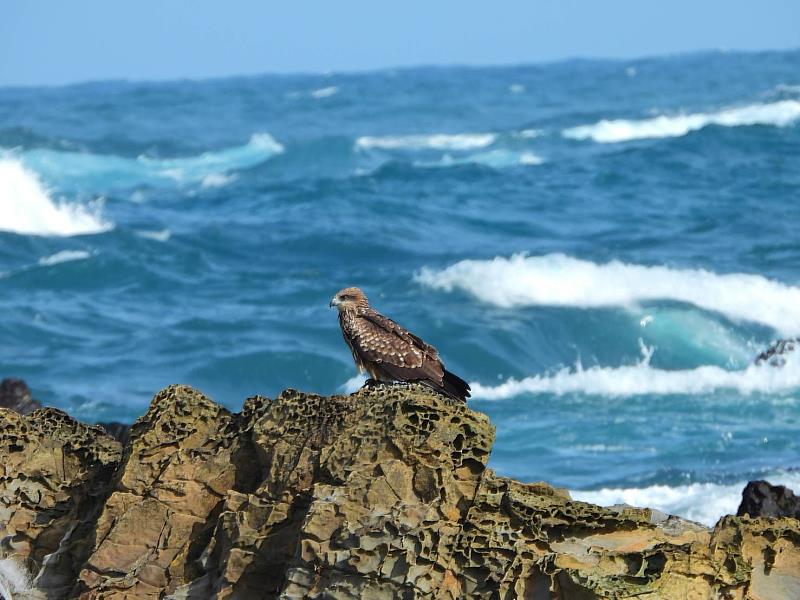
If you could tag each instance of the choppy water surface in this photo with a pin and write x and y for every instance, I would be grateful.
(599, 247)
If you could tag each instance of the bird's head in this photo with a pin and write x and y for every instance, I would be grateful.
(349, 299)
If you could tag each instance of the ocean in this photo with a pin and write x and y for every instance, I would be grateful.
(600, 247)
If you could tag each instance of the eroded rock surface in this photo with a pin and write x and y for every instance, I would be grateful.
(55, 474)
(381, 494)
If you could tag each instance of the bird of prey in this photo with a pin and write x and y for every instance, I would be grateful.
(387, 351)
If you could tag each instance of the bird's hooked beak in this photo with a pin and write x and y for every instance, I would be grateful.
(334, 302)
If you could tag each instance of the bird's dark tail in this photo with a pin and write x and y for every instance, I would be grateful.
(455, 387)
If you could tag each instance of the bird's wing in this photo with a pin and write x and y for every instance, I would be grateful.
(398, 336)
(401, 353)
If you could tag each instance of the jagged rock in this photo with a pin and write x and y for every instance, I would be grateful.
(15, 395)
(761, 499)
(383, 494)
(55, 473)
(775, 354)
(185, 455)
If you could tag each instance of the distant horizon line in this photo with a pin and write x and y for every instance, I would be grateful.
(406, 67)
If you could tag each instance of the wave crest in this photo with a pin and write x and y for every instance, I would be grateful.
(64, 256)
(436, 141)
(701, 502)
(559, 280)
(98, 171)
(778, 114)
(642, 379)
(26, 208)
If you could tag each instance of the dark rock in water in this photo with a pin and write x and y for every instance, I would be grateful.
(762, 499)
(16, 395)
(119, 431)
(774, 355)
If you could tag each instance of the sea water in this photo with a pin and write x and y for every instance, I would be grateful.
(600, 247)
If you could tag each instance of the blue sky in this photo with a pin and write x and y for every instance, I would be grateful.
(58, 41)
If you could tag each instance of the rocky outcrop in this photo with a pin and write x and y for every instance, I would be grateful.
(762, 499)
(54, 475)
(381, 494)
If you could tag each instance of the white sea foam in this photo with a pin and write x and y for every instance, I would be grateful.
(15, 581)
(325, 92)
(260, 147)
(436, 141)
(516, 88)
(162, 235)
(216, 180)
(529, 158)
(642, 379)
(529, 134)
(64, 256)
(26, 208)
(77, 169)
(702, 502)
(559, 280)
(497, 159)
(354, 383)
(779, 114)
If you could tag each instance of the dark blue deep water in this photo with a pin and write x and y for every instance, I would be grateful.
(601, 247)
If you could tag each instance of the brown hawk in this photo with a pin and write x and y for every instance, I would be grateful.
(387, 351)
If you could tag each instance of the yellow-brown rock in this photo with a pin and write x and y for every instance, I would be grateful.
(55, 474)
(383, 494)
(185, 455)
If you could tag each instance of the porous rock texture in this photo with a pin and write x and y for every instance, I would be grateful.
(54, 475)
(383, 494)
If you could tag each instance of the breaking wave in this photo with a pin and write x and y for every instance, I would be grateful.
(560, 280)
(701, 502)
(642, 379)
(93, 171)
(437, 141)
(778, 114)
(26, 208)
